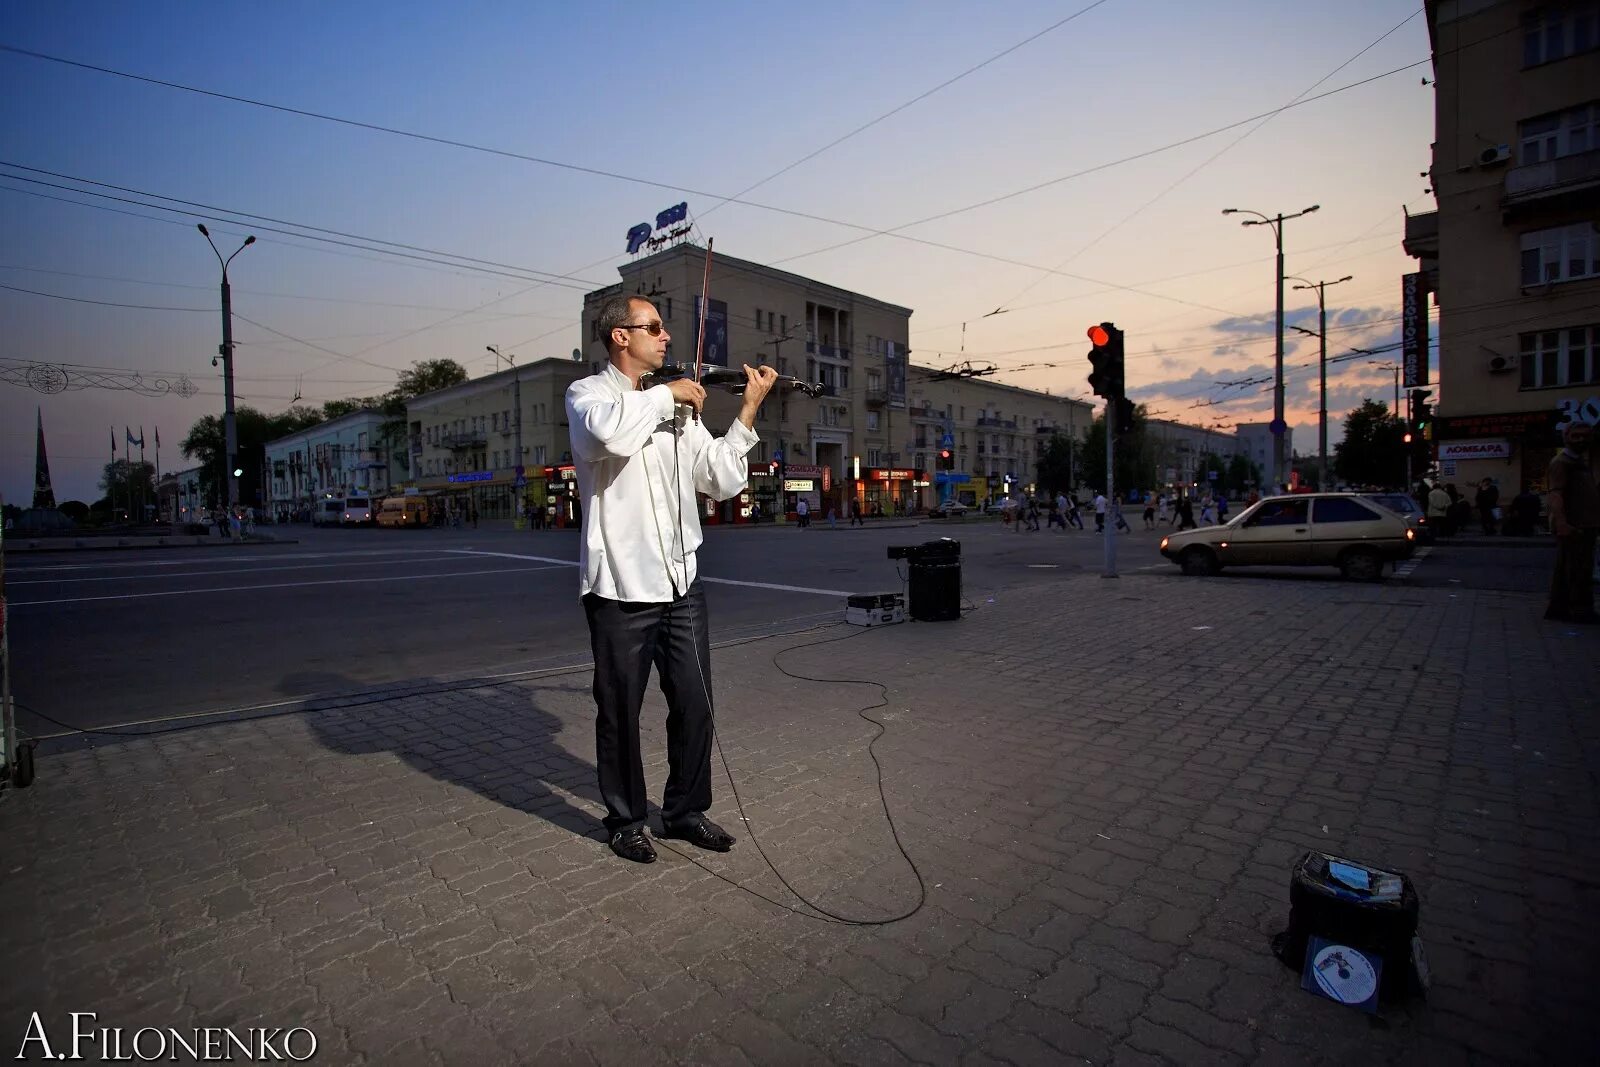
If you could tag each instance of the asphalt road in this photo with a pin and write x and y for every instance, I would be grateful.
(100, 638)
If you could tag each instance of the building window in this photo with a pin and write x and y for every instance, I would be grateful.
(872, 422)
(1561, 133)
(783, 324)
(874, 458)
(1553, 358)
(1561, 254)
(1552, 33)
(758, 318)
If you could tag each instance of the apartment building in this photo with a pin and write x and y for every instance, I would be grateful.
(463, 441)
(345, 456)
(874, 434)
(1512, 253)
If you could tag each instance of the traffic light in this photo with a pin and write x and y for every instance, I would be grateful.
(1421, 415)
(1122, 409)
(947, 460)
(1107, 359)
(772, 467)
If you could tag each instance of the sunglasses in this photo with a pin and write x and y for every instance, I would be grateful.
(652, 328)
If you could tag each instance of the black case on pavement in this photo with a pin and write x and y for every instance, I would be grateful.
(1383, 924)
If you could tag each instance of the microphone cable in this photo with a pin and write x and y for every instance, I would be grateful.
(823, 914)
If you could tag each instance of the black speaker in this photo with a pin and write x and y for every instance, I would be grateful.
(935, 589)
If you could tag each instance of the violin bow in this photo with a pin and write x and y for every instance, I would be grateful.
(705, 313)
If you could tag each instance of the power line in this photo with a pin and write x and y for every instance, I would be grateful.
(909, 103)
(1218, 154)
(106, 303)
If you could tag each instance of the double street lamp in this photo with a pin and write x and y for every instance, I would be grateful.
(1322, 362)
(1279, 427)
(230, 429)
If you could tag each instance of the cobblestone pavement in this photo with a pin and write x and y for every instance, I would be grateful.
(1104, 785)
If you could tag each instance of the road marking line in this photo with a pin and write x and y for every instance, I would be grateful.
(1403, 570)
(241, 570)
(275, 585)
(20, 567)
(701, 577)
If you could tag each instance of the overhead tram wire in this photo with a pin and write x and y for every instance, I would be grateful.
(808, 157)
(1218, 154)
(810, 216)
(895, 231)
(306, 231)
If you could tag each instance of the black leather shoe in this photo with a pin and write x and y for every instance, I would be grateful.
(633, 845)
(703, 834)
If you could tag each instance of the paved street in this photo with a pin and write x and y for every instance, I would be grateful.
(1103, 785)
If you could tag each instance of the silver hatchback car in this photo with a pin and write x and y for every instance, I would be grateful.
(1302, 530)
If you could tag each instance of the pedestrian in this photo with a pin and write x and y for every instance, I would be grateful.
(1575, 521)
(1487, 501)
(641, 458)
(855, 513)
(1222, 508)
(1163, 504)
(802, 512)
(1439, 510)
(1149, 512)
(1525, 509)
(833, 518)
(1207, 511)
(1185, 514)
(474, 508)
(1074, 516)
(1099, 512)
(1032, 511)
(1058, 512)
(1116, 515)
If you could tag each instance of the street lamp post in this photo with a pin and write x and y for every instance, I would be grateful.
(516, 402)
(230, 430)
(1322, 363)
(1279, 428)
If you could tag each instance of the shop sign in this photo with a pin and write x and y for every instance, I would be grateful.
(890, 474)
(798, 485)
(801, 470)
(1454, 450)
(471, 476)
(1510, 424)
(1574, 410)
(1414, 329)
(561, 474)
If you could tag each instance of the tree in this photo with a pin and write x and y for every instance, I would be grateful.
(130, 485)
(1055, 465)
(205, 443)
(1372, 452)
(76, 510)
(1243, 475)
(428, 375)
(1135, 455)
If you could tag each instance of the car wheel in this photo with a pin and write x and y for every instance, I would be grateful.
(1198, 562)
(1361, 565)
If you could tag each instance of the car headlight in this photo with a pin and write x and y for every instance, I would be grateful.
(1163, 544)
(1411, 535)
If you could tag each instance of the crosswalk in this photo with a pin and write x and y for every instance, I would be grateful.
(1404, 568)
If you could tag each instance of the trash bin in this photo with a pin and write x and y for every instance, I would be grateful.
(935, 580)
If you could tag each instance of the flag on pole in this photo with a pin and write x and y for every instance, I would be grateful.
(113, 442)
(158, 437)
(132, 440)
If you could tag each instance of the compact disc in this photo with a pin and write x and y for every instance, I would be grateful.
(1343, 974)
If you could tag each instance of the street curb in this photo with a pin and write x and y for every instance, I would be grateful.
(134, 545)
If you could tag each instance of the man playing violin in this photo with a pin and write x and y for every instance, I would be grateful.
(640, 460)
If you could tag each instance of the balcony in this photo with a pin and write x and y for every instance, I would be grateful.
(830, 351)
(877, 398)
(1553, 183)
(464, 440)
(1421, 240)
(996, 424)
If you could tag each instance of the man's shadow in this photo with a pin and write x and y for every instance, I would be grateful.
(494, 739)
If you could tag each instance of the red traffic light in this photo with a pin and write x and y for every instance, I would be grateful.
(944, 453)
(1098, 335)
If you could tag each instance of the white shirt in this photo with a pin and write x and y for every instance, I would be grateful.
(1100, 504)
(639, 463)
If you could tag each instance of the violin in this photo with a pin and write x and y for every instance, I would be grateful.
(730, 378)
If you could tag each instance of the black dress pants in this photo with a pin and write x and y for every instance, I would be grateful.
(627, 638)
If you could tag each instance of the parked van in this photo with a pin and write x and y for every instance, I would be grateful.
(404, 511)
(328, 511)
(357, 511)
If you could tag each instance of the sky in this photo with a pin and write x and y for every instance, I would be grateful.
(1060, 163)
